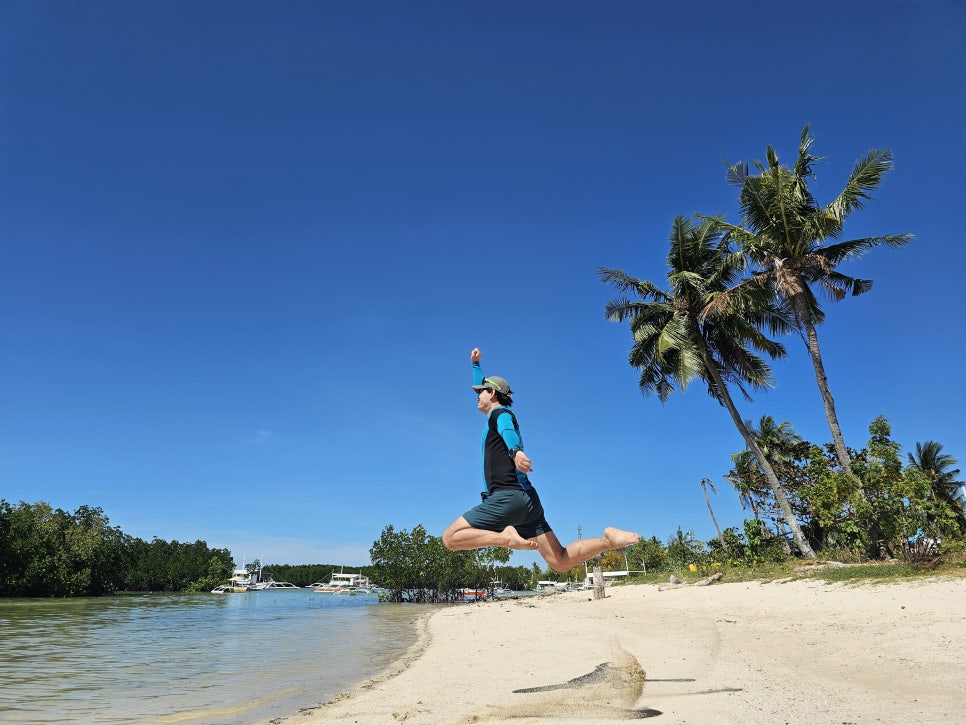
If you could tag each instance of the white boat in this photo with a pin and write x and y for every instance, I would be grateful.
(345, 584)
(240, 582)
(551, 586)
(243, 580)
(229, 589)
(272, 584)
(498, 588)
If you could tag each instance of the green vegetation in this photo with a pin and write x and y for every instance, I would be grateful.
(882, 510)
(414, 566)
(47, 552)
(793, 569)
(304, 574)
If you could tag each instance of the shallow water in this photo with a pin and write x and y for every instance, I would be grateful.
(191, 658)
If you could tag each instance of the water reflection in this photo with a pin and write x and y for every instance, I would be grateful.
(191, 657)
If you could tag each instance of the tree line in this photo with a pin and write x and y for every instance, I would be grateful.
(414, 567)
(884, 508)
(48, 552)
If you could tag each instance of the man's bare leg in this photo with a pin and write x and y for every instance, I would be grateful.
(460, 536)
(563, 559)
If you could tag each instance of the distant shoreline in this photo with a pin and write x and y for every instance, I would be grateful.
(798, 651)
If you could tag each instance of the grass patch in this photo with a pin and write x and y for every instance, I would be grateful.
(732, 573)
(859, 573)
(891, 571)
(794, 569)
(760, 572)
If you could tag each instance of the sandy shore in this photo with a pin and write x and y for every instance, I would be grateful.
(794, 652)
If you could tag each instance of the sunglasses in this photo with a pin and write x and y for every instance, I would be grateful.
(486, 390)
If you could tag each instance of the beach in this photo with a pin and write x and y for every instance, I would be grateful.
(801, 651)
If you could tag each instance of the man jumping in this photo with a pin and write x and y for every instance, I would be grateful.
(511, 514)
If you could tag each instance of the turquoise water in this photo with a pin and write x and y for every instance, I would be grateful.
(191, 658)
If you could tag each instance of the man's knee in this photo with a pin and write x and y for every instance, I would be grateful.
(560, 564)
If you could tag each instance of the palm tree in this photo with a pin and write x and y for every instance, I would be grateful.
(779, 443)
(934, 463)
(785, 232)
(673, 345)
(742, 477)
(705, 485)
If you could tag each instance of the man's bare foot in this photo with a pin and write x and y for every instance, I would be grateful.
(619, 539)
(515, 541)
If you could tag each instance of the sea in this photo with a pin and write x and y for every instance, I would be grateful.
(192, 658)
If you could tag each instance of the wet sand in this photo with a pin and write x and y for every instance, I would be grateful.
(793, 652)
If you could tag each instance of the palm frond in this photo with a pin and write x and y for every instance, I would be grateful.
(672, 343)
(740, 298)
(731, 232)
(690, 365)
(626, 283)
(686, 281)
(802, 172)
(765, 310)
(855, 248)
(737, 173)
(866, 176)
(676, 335)
(761, 342)
(803, 165)
(837, 285)
(620, 309)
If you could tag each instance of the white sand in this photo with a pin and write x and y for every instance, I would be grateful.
(795, 652)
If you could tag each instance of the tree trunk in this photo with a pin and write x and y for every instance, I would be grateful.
(841, 452)
(707, 500)
(781, 498)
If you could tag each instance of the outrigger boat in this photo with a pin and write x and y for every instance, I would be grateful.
(498, 587)
(272, 584)
(240, 582)
(346, 584)
(243, 580)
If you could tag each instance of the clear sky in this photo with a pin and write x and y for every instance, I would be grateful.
(247, 247)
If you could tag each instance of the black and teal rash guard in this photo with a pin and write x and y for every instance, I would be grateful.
(501, 441)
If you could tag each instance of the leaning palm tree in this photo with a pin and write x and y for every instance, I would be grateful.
(786, 233)
(673, 345)
(705, 485)
(930, 459)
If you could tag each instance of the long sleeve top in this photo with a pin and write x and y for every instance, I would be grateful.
(500, 441)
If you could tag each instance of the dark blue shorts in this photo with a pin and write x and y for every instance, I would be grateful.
(510, 507)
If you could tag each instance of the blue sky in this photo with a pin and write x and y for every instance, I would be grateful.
(246, 249)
